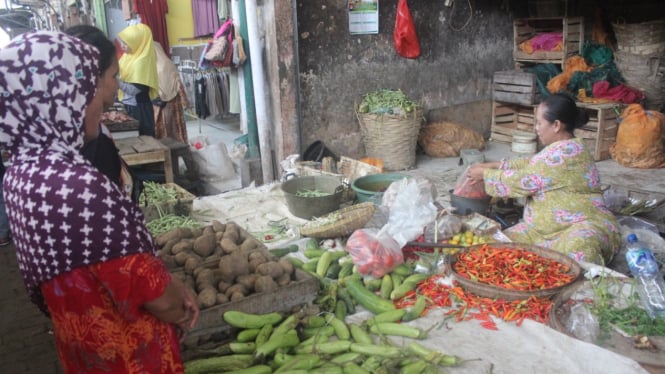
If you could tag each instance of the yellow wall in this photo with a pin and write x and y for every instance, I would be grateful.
(180, 23)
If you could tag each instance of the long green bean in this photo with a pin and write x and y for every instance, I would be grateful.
(312, 193)
(154, 192)
(168, 222)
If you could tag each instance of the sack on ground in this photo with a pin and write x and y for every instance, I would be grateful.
(639, 141)
(446, 139)
(213, 160)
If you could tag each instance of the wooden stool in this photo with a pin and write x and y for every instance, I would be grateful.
(181, 150)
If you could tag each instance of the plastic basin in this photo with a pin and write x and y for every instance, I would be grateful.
(372, 187)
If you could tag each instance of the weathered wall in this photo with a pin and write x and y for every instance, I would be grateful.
(455, 67)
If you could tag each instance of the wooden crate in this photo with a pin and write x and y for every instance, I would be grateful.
(509, 117)
(182, 205)
(515, 86)
(524, 29)
(600, 132)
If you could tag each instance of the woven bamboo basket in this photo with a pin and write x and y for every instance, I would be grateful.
(495, 292)
(640, 38)
(346, 221)
(646, 73)
(391, 138)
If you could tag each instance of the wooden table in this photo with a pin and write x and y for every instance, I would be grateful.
(143, 150)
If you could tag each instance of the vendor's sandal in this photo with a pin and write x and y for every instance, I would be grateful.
(5, 241)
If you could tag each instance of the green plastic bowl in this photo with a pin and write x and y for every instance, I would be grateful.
(371, 187)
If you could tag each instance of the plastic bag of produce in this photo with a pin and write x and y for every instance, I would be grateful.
(374, 252)
(465, 187)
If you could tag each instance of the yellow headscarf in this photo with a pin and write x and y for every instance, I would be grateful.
(140, 64)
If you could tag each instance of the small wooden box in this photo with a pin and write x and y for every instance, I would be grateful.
(182, 206)
(515, 86)
(509, 117)
(572, 29)
(600, 133)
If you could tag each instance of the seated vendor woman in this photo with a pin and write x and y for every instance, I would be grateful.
(564, 208)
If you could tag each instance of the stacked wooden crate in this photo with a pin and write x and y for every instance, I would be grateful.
(516, 95)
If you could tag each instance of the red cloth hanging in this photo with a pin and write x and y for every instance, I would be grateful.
(153, 14)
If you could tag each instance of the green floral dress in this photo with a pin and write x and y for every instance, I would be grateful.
(564, 208)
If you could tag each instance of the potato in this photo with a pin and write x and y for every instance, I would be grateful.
(240, 264)
(168, 246)
(182, 245)
(169, 261)
(191, 264)
(286, 265)
(257, 255)
(226, 269)
(249, 244)
(207, 297)
(208, 230)
(204, 244)
(221, 299)
(195, 232)
(236, 296)
(218, 226)
(283, 280)
(163, 238)
(236, 288)
(190, 283)
(218, 250)
(247, 280)
(180, 258)
(228, 245)
(231, 232)
(205, 279)
(253, 264)
(223, 286)
(265, 283)
(219, 235)
(271, 268)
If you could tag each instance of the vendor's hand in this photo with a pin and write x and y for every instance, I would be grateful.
(191, 309)
(475, 173)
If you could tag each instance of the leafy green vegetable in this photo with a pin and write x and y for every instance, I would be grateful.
(387, 102)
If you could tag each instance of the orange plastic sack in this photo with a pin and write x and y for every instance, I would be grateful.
(639, 139)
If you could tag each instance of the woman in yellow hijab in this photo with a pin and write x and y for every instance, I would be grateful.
(138, 76)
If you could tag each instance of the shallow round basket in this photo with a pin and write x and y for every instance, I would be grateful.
(651, 360)
(341, 222)
(494, 292)
(308, 207)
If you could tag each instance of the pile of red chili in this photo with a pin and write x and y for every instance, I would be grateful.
(439, 295)
(510, 268)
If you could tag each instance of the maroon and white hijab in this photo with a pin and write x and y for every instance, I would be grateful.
(63, 213)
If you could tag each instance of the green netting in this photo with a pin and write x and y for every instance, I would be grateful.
(543, 73)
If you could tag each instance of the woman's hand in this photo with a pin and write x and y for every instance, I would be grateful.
(475, 173)
(191, 310)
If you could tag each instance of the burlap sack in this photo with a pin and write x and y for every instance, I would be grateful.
(639, 141)
(445, 139)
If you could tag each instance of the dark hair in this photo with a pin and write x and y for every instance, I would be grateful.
(96, 38)
(562, 107)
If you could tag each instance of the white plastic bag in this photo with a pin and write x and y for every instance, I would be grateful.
(411, 210)
(213, 160)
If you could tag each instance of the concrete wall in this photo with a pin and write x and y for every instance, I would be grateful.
(452, 77)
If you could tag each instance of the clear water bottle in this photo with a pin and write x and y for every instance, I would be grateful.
(649, 281)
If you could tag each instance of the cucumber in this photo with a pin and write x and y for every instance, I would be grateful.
(367, 299)
(218, 364)
(281, 252)
(416, 310)
(397, 329)
(247, 335)
(250, 321)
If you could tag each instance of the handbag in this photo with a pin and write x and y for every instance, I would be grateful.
(217, 49)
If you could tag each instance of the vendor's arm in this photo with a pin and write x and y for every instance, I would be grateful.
(475, 171)
(515, 182)
(145, 285)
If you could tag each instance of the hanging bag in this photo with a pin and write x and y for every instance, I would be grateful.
(406, 40)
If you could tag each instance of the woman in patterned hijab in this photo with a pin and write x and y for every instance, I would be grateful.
(82, 246)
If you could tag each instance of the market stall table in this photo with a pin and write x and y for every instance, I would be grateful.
(143, 150)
